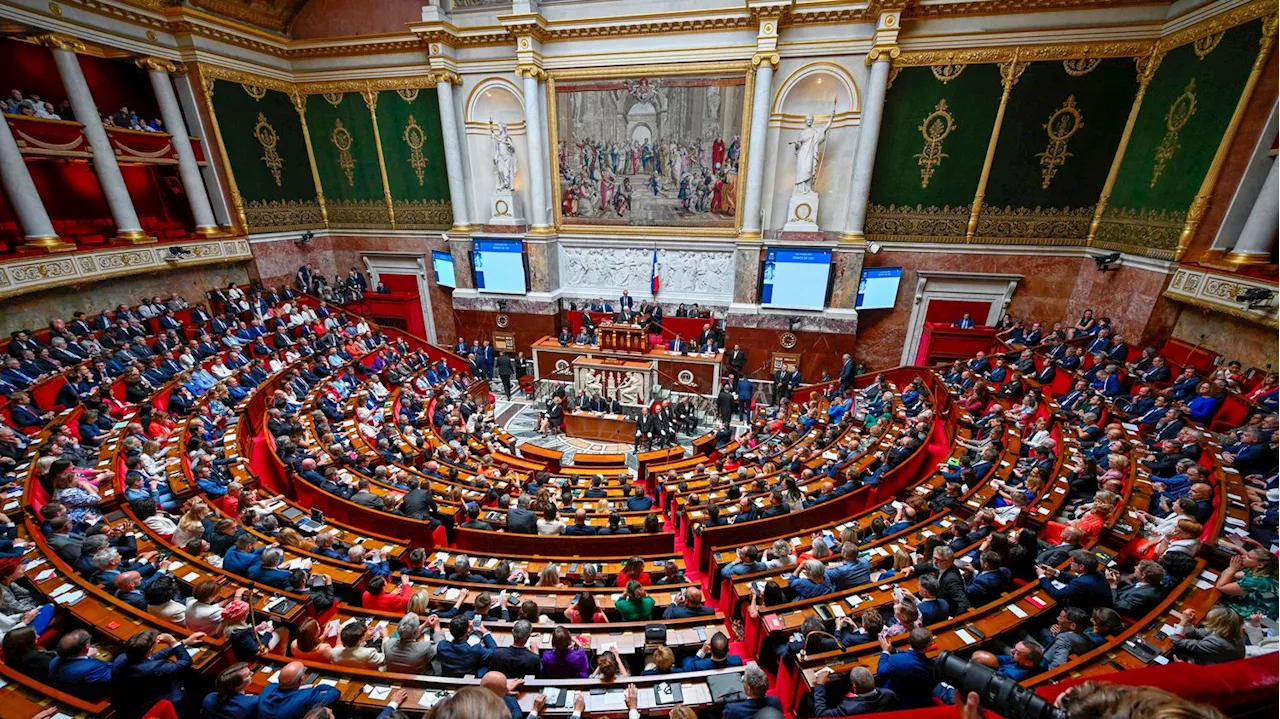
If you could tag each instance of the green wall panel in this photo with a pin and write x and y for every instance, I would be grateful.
(341, 129)
(903, 205)
(262, 135)
(1089, 107)
(1170, 153)
(413, 149)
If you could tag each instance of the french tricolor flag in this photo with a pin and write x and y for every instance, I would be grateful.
(655, 283)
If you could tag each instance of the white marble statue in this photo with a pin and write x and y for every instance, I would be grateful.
(592, 383)
(504, 157)
(808, 151)
(631, 389)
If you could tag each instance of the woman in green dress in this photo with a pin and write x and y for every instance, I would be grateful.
(1249, 585)
(634, 605)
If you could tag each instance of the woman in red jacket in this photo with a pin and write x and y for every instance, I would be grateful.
(376, 596)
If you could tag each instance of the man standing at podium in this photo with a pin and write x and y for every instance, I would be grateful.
(506, 368)
(625, 303)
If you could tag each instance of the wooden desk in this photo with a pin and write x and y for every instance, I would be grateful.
(604, 427)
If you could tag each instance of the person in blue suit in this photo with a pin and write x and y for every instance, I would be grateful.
(852, 571)
(756, 685)
(909, 674)
(288, 699)
(987, 585)
(144, 676)
(268, 570)
(77, 671)
(714, 654)
(964, 323)
(1250, 455)
(229, 699)
(457, 657)
(242, 557)
(1085, 586)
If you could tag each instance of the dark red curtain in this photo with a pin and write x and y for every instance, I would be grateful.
(951, 310)
(30, 69)
(158, 199)
(10, 231)
(73, 198)
(117, 83)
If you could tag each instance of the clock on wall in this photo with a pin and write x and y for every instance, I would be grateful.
(788, 340)
(503, 321)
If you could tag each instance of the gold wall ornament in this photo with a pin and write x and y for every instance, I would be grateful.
(268, 138)
(1080, 66)
(257, 92)
(936, 127)
(408, 94)
(333, 98)
(415, 137)
(893, 75)
(948, 72)
(341, 139)
(1175, 119)
(1062, 124)
(1205, 45)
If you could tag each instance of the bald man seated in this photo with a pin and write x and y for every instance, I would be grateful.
(498, 683)
(288, 699)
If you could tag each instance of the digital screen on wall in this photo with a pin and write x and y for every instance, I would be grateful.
(499, 266)
(878, 288)
(796, 279)
(442, 263)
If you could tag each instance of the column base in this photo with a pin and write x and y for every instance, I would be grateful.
(852, 238)
(749, 236)
(133, 237)
(209, 232)
(541, 231)
(469, 227)
(1242, 259)
(50, 243)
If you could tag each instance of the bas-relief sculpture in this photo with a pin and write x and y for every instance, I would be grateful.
(609, 270)
(650, 151)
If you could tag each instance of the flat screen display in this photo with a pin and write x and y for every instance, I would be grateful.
(796, 279)
(442, 263)
(878, 288)
(499, 266)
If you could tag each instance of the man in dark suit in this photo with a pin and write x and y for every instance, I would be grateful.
(864, 699)
(847, 372)
(1157, 372)
(1141, 593)
(516, 660)
(646, 428)
(679, 344)
(625, 303)
(737, 360)
(755, 683)
(506, 370)
(520, 519)
(964, 323)
(1085, 586)
(1051, 555)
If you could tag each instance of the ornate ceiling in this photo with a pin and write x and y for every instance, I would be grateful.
(274, 15)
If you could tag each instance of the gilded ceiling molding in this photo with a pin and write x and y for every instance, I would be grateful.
(217, 72)
(916, 11)
(59, 41)
(415, 82)
(156, 63)
(1219, 23)
(1025, 53)
(690, 68)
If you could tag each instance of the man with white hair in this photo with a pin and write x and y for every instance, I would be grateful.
(755, 683)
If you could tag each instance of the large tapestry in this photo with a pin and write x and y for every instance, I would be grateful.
(649, 151)
(262, 137)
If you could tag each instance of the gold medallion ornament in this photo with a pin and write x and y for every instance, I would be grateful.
(502, 321)
(1077, 67)
(1205, 45)
(341, 139)
(788, 340)
(268, 138)
(1063, 123)
(415, 137)
(935, 128)
(408, 95)
(254, 91)
(947, 73)
(333, 98)
(1175, 119)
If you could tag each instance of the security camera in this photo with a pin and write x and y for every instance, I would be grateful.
(1108, 263)
(873, 248)
(305, 239)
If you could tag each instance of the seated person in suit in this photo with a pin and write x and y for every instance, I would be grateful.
(755, 684)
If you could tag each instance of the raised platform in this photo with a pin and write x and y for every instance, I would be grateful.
(690, 374)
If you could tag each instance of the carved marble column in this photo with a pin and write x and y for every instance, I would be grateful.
(159, 71)
(765, 65)
(535, 135)
(445, 80)
(1258, 236)
(64, 50)
(23, 198)
(868, 138)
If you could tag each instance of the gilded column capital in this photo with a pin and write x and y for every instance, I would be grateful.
(883, 52)
(156, 63)
(765, 58)
(444, 75)
(59, 41)
(528, 70)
